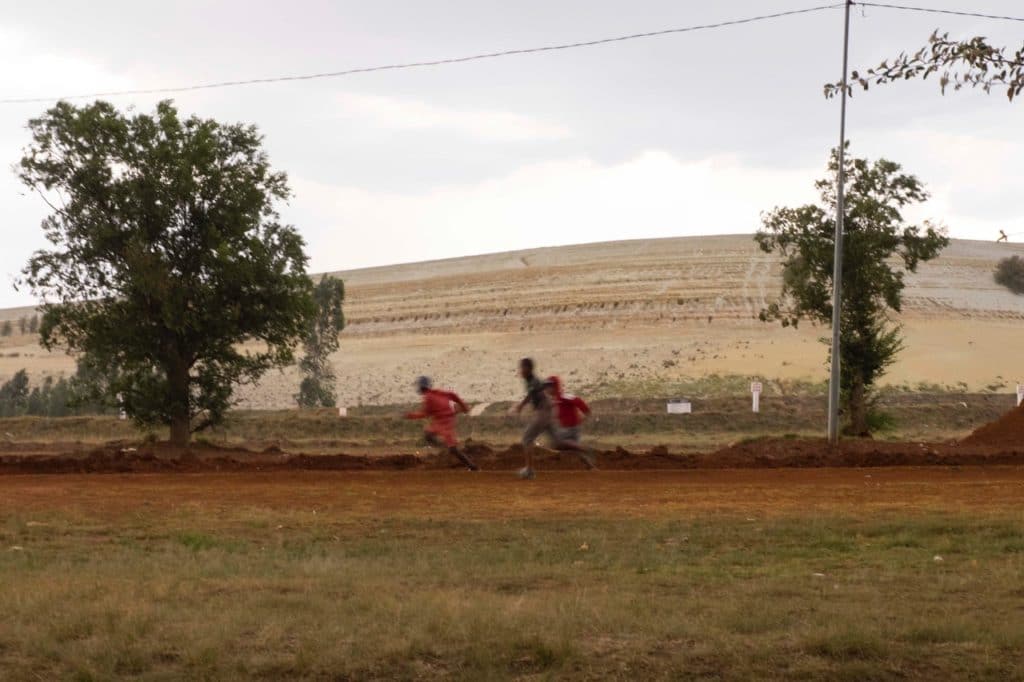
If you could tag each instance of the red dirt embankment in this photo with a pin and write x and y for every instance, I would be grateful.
(1008, 430)
(756, 454)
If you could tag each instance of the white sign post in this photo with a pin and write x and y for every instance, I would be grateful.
(342, 411)
(678, 406)
(1020, 394)
(755, 392)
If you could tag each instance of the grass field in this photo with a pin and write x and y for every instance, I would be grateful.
(810, 574)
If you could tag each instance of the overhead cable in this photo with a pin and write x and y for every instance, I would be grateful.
(420, 64)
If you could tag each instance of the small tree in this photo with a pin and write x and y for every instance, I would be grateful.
(317, 388)
(59, 399)
(169, 267)
(33, 324)
(1010, 274)
(38, 402)
(14, 395)
(6, 329)
(873, 283)
(22, 324)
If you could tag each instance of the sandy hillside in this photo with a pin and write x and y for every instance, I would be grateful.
(625, 316)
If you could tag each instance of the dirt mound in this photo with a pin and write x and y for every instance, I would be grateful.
(768, 453)
(1007, 430)
(772, 453)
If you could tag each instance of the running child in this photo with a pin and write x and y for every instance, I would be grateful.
(437, 407)
(570, 413)
(541, 422)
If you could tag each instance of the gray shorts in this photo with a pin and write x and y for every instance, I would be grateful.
(570, 434)
(540, 425)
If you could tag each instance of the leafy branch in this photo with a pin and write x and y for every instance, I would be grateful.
(972, 63)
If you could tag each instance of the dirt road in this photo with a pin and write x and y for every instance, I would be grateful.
(491, 495)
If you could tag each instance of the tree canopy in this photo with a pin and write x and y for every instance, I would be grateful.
(1010, 274)
(168, 266)
(878, 249)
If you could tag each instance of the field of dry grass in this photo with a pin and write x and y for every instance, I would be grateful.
(624, 314)
(719, 419)
(811, 574)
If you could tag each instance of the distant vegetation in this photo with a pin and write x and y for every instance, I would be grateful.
(52, 398)
(318, 382)
(1010, 274)
(25, 325)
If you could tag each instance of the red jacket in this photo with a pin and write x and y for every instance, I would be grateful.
(569, 409)
(437, 406)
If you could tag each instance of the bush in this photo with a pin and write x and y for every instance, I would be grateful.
(1010, 274)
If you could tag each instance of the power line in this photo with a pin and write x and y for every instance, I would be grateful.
(931, 10)
(436, 62)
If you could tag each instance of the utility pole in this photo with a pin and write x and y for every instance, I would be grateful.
(837, 270)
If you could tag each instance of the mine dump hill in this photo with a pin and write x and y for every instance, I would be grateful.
(641, 282)
(631, 318)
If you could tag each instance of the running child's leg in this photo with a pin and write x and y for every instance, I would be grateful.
(447, 440)
(461, 456)
(569, 439)
(533, 431)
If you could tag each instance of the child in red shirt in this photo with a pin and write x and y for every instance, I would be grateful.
(437, 407)
(570, 412)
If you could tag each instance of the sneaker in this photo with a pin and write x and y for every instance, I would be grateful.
(588, 459)
(526, 473)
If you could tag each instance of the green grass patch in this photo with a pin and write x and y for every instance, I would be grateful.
(263, 593)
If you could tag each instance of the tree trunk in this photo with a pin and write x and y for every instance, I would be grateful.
(181, 431)
(858, 409)
(180, 412)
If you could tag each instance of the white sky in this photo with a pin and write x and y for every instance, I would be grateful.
(680, 135)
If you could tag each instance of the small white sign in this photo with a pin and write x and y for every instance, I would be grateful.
(1020, 394)
(342, 411)
(679, 407)
(755, 387)
(755, 391)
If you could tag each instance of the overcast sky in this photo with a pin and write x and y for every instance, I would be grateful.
(684, 134)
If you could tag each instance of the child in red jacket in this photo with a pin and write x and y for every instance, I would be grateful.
(570, 413)
(437, 407)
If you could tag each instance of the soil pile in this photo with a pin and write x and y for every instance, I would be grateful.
(1007, 430)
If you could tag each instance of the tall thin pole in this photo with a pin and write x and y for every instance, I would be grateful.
(837, 272)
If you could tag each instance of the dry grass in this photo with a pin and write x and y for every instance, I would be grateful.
(297, 593)
(720, 418)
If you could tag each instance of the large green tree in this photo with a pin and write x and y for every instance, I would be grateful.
(168, 266)
(317, 388)
(878, 249)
